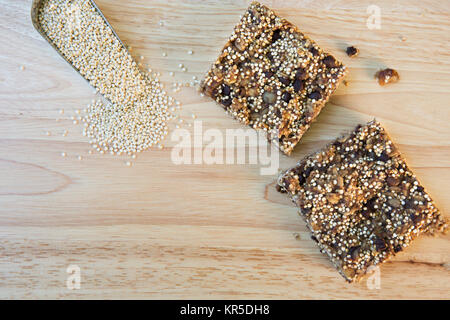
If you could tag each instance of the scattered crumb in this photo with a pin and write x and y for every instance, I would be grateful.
(352, 51)
(345, 82)
(386, 76)
(296, 235)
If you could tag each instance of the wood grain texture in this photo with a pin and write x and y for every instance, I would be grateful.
(158, 230)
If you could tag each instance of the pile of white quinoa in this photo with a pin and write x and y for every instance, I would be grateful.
(137, 115)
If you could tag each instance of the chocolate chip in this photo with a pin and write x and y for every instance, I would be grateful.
(322, 169)
(365, 213)
(284, 81)
(286, 97)
(379, 244)
(372, 155)
(316, 95)
(307, 172)
(268, 74)
(337, 144)
(276, 35)
(299, 169)
(301, 74)
(298, 85)
(398, 248)
(314, 51)
(330, 62)
(314, 239)
(409, 204)
(286, 184)
(226, 90)
(383, 157)
(353, 252)
(280, 189)
(241, 65)
(415, 218)
(301, 180)
(352, 51)
(420, 188)
(370, 205)
(227, 102)
(389, 212)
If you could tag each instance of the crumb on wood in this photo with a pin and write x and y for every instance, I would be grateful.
(352, 51)
(387, 76)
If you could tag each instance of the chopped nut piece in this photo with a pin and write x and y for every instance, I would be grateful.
(387, 76)
(274, 68)
(352, 51)
(360, 200)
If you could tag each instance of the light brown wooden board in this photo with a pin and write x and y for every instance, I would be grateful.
(158, 230)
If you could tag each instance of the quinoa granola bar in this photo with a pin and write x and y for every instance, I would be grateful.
(360, 200)
(271, 76)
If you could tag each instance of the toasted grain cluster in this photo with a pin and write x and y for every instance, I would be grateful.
(360, 200)
(136, 117)
(272, 77)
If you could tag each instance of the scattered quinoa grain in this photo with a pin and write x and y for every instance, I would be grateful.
(137, 111)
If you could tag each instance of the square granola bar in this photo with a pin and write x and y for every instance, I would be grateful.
(360, 200)
(271, 76)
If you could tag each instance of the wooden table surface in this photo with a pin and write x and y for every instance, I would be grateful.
(160, 230)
